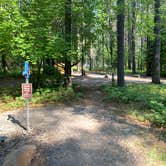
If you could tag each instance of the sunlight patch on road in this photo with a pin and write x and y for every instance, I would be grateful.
(84, 122)
(70, 125)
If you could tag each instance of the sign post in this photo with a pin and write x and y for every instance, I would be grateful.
(27, 90)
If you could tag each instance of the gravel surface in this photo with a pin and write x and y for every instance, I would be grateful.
(84, 133)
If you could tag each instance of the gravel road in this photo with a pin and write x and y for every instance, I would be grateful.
(83, 133)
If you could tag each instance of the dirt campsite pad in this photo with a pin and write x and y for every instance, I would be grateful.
(83, 133)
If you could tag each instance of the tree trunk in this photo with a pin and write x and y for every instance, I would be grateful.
(68, 41)
(133, 37)
(103, 57)
(129, 41)
(111, 36)
(83, 57)
(90, 58)
(142, 48)
(149, 49)
(37, 77)
(156, 59)
(120, 42)
(111, 50)
(149, 57)
(82, 63)
(129, 51)
(4, 64)
(48, 66)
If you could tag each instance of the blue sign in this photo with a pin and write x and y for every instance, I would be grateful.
(26, 71)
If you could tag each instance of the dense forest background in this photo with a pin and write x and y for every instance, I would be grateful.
(112, 36)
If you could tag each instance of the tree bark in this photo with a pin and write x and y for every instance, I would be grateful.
(83, 56)
(111, 36)
(120, 42)
(129, 39)
(142, 49)
(4, 63)
(90, 58)
(68, 21)
(149, 49)
(133, 37)
(129, 50)
(103, 57)
(149, 57)
(82, 62)
(156, 59)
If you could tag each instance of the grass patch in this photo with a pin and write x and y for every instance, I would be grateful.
(157, 154)
(10, 98)
(150, 98)
(138, 72)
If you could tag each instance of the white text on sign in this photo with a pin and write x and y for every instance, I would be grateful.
(26, 91)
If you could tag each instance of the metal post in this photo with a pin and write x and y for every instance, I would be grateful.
(27, 109)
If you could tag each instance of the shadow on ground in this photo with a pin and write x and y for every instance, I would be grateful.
(80, 134)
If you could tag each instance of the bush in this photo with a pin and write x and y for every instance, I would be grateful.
(40, 96)
(152, 97)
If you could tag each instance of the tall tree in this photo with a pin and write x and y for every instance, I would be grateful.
(129, 39)
(149, 45)
(110, 44)
(120, 42)
(68, 22)
(103, 57)
(156, 59)
(133, 36)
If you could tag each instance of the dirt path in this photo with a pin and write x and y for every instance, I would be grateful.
(85, 133)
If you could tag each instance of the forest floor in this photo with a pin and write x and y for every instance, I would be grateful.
(87, 132)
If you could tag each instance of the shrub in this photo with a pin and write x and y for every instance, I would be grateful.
(151, 96)
(40, 96)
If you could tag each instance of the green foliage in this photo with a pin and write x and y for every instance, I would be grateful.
(158, 155)
(11, 74)
(9, 93)
(9, 100)
(158, 110)
(46, 96)
(34, 31)
(139, 72)
(151, 97)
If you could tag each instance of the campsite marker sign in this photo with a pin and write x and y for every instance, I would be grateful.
(27, 89)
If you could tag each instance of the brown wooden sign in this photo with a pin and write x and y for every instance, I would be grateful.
(26, 90)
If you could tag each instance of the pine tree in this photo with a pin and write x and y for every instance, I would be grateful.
(68, 21)
(156, 60)
(120, 42)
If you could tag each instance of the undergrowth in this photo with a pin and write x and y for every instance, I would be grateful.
(157, 154)
(11, 98)
(152, 99)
